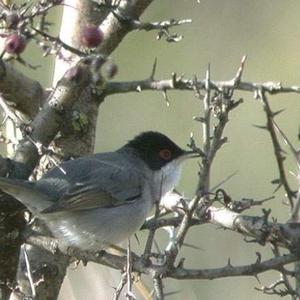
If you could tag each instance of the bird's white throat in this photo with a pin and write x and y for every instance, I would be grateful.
(167, 177)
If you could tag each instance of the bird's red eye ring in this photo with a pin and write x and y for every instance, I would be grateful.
(165, 154)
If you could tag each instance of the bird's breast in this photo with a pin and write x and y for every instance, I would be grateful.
(165, 180)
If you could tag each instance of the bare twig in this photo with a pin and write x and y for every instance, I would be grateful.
(129, 294)
(59, 42)
(150, 239)
(245, 203)
(206, 133)
(120, 287)
(48, 121)
(287, 141)
(116, 29)
(29, 272)
(188, 85)
(223, 104)
(284, 276)
(277, 148)
(137, 24)
(162, 26)
(140, 266)
(158, 287)
(295, 210)
(24, 93)
(232, 271)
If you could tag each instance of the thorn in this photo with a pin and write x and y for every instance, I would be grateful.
(277, 188)
(258, 259)
(165, 95)
(153, 69)
(207, 77)
(257, 278)
(256, 95)
(287, 141)
(130, 295)
(266, 199)
(260, 126)
(172, 293)
(239, 72)
(199, 119)
(224, 181)
(191, 246)
(277, 112)
(181, 262)
(276, 181)
(138, 88)
(229, 262)
(137, 239)
(244, 59)
(174, 79)
(223, 140)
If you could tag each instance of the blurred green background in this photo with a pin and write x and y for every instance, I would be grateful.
(267, 31)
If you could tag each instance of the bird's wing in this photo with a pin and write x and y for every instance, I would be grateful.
(108, 185)
(26, 193)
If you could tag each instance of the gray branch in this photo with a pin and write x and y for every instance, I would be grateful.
(136, 24)
(139, 265)
(25, 94)
(178, 83)
(48, 121)
(115, 29)
(232, 271)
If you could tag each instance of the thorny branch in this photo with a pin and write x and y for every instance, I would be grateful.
(139, 265)
(60, 100)
(217, 103)
(162, 26)
(221, 105)
(120, 287)
(295, 153)
(223, 94)
(39, 134)
(24, 94)
(158, 25)
(277, 149)
(179, 83)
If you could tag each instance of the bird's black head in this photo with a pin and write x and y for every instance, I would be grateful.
(155, 149)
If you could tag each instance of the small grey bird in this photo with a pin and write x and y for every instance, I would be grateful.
(102, 199)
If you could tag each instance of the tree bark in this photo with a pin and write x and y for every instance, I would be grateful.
(42, 274)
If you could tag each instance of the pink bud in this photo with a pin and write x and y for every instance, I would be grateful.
(15, 44)
(91, 36)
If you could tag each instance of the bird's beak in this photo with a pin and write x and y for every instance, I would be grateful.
(190, 154)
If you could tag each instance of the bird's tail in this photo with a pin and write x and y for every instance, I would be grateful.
(26, 193)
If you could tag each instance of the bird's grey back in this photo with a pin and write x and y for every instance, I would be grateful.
(98, 169)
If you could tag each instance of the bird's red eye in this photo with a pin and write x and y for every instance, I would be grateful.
(165, 154)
